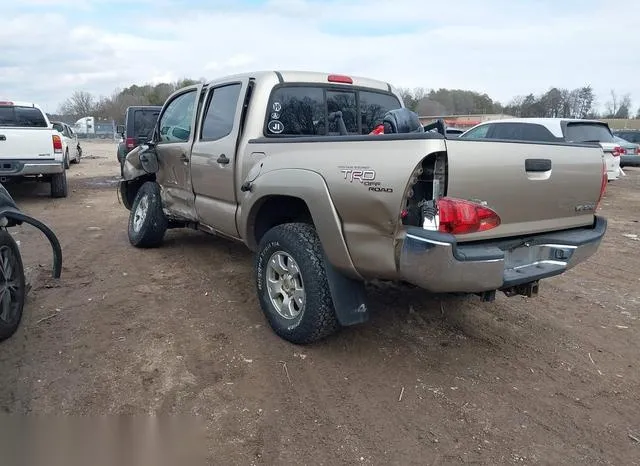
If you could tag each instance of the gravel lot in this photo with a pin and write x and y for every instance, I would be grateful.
(429, 380)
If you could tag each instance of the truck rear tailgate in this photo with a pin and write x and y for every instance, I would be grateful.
(26, 143)
(533, 187)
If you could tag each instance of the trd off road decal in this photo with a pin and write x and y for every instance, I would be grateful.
(365, 176)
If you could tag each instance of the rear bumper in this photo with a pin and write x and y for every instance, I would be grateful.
(434, 261)
(29, 167)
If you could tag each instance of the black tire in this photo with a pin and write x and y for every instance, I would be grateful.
(66, 159)
(12, 285)
(78, 155)
(150, 230)
(59, 184)
(317, 318)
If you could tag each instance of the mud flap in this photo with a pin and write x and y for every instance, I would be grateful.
(348, 295)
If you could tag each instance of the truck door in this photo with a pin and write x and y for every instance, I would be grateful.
(213, 158)
(175, 135)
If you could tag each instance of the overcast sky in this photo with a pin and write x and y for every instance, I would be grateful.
(49, 48)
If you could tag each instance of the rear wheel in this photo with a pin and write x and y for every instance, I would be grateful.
(59, 184)
(66, 159)
(12, 286)
(292, 284)
(147, 221)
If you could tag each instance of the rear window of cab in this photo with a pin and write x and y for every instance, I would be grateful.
(312, 110)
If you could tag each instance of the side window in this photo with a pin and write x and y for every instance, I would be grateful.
(175, 123)
(508, 131)
(220, 112)
(58, 127)
(345, 103)
(297, 110)
(537, 133)
(480, 132)
(373, 106)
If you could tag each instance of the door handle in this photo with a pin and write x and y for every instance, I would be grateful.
(537, 165)
(3, 137)
(223, 159)
(184, 158)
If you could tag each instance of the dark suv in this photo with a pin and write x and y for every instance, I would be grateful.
(139, 122)
(631, 135)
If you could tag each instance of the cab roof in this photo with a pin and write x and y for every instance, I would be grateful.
(293, 76)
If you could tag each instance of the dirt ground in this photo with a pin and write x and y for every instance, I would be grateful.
(429, 380)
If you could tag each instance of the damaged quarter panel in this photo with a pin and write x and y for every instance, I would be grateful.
(366, 179)
(311, 188)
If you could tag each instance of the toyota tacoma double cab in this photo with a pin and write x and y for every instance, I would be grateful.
(30, 148)
(332, 182)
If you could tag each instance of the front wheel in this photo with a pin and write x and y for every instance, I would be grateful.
(12, 286)
(147, 221)
(78, 155)
(292, 284)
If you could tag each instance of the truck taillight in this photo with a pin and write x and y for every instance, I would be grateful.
(131, 142)
(618, 151)
(57, 144)
(459, 216)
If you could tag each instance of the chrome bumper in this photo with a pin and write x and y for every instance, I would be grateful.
(434, 261)
(29, 167)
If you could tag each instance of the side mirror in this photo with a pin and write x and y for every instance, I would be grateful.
(120, 129)
(148, 158)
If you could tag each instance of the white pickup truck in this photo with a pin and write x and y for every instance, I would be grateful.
(30, 148)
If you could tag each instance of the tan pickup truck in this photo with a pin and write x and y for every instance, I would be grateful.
(332, 182)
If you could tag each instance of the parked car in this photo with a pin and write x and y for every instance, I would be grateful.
(70, 145)
(454, 132)
(138, 123)
(631, 135)
(553, 130)
(30, 148)
(13, 286)
(279, 162)
(631, 157)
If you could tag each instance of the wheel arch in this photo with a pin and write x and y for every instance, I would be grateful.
(281, 196)
(128, 189)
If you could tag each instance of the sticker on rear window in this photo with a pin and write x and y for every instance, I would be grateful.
(275, 126)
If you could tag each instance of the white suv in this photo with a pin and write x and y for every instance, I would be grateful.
(552, 130)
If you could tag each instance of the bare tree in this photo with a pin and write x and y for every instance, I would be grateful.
(624, 107)
(80, 104)
(611, 107)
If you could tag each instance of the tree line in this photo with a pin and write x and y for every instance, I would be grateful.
(556, 102)
(113, 107)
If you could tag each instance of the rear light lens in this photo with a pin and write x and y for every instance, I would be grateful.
(638, 150)
(57, 144)
(458, 216)
(6, 104)
(618, 151)
(130, 143)
(338, 78)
